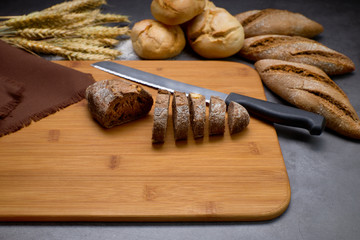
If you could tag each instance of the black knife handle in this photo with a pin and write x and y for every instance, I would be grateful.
(281, 114)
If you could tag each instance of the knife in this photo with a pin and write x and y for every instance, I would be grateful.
(272, 112)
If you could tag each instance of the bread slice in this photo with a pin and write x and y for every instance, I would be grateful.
(116, 101)
(277, 21)
(309, 88)
(238, 117)
(217, 111)
(180, 115)
(197, 107)
(296, 49)
(161, 113)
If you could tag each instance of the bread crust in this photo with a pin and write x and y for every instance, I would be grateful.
(215, 33)
(154, 40)
(197, 105)
(296, 49)
(180, 115)
(238, 117)
(176, 12)
(115, 101)
(276, 21)
(161, 113)
(309, 88)
(217, 112)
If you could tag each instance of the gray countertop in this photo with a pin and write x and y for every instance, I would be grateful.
(324, 171)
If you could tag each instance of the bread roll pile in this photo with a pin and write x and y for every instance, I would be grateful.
(212, 32)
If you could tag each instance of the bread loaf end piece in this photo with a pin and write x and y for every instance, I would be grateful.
(116, 101)
(309, 88)
(180, 115)
(238, 118)
(217, 111)
(197, 107)
(161, 113)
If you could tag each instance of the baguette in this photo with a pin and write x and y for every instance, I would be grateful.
(309, 88)
(276, 21)
(116, 101)
(161, 114)
(197, 106)
(180, 114)
(217, 111)
(238, 118)
(296, 49)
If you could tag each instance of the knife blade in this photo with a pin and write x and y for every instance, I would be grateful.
(268, 111)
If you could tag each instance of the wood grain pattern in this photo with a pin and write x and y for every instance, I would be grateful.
(65, 167)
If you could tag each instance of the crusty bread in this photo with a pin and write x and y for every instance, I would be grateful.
(276, 21)
(181, 115)
(197, 107)
(176, 12)
(116, 101)
(217, 111)
(215, 33)
(309, 88)
(238, 117)
(161, 113)
(154, 40)
(296, 49)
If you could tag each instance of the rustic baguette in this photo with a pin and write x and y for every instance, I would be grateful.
(276, 21)
(181, 115)
(115, 101)
(197, 107)
(238, 118)
(217, 111)
(161, 114)
(296, 49)
(309, 88)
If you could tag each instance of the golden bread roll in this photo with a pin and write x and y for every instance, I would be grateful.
(276, 21)
(154, 40)
(296, 49)
(175, 12)
(215, 33)
(309, 88)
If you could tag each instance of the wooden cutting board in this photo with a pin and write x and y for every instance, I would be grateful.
(65, 167)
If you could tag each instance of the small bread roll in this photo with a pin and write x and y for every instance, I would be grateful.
(175, 12)
(215, 33)
(154, 40)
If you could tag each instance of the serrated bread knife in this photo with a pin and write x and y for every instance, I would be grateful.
(272, 112)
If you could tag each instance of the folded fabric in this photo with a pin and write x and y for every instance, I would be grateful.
(10, 95)
(48, 87)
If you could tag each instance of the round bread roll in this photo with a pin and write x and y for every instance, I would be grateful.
(154, 40)
(175, 12)
(215, 33)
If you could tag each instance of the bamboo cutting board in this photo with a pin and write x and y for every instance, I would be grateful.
(65, 167)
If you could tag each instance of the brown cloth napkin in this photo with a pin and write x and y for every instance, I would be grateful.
(10, 95)
(48, 87)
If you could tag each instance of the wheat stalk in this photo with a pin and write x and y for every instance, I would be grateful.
(75, 6)
(108, 41)
(42, 33)
(111, 18)
(37, 19)
(103, 32)
(47, 48)
(81, 47)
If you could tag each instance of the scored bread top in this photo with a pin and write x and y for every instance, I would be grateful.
(309, 88)
(277, 21)
(296, 49)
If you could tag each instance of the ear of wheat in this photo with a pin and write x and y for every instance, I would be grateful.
(72, 29)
